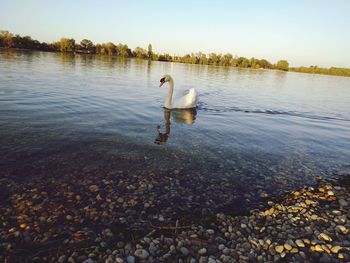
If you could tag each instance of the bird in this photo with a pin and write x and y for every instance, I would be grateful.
(185, 99)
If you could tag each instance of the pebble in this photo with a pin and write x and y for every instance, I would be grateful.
(130, 259)
(62, 259)
(342, 202)
(141, 253)
(202, 251)
(279, 249)
(325, 237)
(299, 243)
(184, 251)
(93, 188)
(210, 231)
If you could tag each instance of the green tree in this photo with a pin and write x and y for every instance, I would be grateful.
(243, 62)
(214, 59)
(6, 39)
(67, 45)
(254, 63)
(149, 52)
(263, 63)
(87, 45)
(110, 48)
(140, 52)
(282, 65)
(203, 60)
(123, 51)
(226, 60)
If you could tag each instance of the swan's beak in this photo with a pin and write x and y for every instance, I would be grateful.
(162, 81)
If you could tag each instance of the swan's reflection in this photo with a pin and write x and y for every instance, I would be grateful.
(184, 116)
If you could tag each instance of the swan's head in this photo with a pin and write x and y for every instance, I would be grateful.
(165, 78)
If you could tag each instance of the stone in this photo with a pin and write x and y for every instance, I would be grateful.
(130, 259)
(342, 202)
(279, 249)
(210, 231)
(336, 212)
(325, 237)
(335, 249)
(325, 259)
(141, 253)
(299, 243)
(246, 246)
(184, 251)
(62, 259)
(119, 260)
(287, 246)
(93, 188)
(342, 229)
(202, 251)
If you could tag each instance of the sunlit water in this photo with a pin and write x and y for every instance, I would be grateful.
(266, 130)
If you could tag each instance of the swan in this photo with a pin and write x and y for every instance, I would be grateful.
(186, 99)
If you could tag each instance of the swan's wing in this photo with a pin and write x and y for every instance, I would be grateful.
(185, 92)
(187, 100)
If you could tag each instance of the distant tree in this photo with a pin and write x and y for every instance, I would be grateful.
(263, 63)
(214, 59)
(202, 58)
(226, 60)
(282, 65)
(6, 39)
(67, 45)
(110, 48)
(149, 51)
(243, 62)
(254, 63)
(87, 45)
(123, 51)
(140, 52)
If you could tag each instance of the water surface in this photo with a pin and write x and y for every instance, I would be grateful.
(257, 131)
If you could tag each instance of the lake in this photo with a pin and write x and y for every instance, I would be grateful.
(77, 120)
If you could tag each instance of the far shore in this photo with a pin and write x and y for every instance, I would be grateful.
(79, 52)
(86, 46)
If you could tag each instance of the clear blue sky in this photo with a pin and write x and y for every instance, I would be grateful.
(305, 32)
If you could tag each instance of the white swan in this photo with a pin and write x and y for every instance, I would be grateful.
(185, 99)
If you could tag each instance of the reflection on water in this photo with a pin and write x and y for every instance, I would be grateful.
(183, 116)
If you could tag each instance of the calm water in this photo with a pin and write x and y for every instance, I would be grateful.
(266, 130)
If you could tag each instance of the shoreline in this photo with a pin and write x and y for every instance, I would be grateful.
(291, 69)
(307, 224)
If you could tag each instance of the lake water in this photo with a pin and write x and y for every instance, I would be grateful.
(254, 132)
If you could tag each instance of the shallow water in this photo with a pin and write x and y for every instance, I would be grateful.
(261, 131)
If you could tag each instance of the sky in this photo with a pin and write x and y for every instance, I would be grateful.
(304, 32)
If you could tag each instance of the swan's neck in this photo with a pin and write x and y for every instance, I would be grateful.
(168, 101)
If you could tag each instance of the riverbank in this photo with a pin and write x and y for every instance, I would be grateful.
(53, 222)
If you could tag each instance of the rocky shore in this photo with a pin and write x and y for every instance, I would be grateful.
(54, 222)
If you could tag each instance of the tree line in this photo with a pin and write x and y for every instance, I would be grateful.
(8, 40)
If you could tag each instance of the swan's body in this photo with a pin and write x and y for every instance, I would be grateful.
(185, 99)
